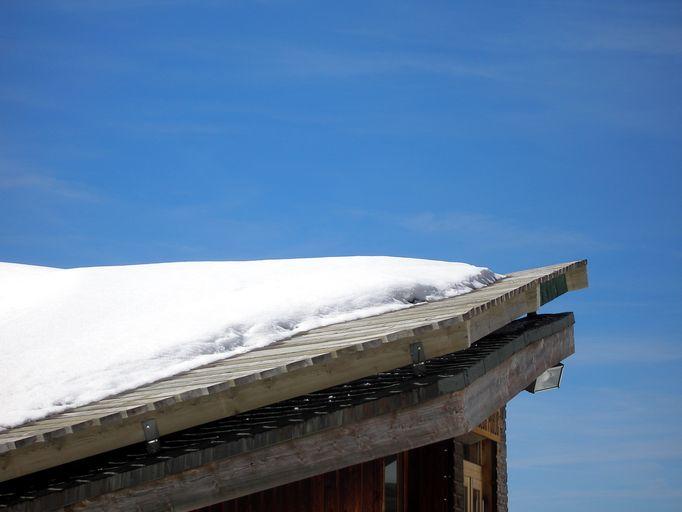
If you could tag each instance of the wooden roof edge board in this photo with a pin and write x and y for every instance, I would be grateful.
(118, 429)
(210, 475)
(574, 273)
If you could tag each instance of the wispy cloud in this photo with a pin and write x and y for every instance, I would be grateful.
(647, 28)
(324, 62)
(506, 230)
(115, 5)
(295, 60)
(183, 128)
(599, 428)
(652, 492)
(484, 229)
(27, 98)
(651, 489)
(13, 178)
(584, 35)
(569, 455)
(627, 350)
(644, 40)
(613, 412)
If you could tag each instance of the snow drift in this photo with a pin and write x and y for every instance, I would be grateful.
(69, 337)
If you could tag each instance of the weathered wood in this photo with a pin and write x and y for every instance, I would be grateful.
(335, 354)
(444, 417)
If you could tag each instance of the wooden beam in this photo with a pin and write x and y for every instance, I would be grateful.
(478, 434)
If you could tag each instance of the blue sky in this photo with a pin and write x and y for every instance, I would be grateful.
(503, 135)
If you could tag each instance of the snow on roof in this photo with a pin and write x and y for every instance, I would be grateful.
(74, 336)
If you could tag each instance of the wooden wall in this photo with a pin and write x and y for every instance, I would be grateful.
(427, 475)
(430, 479)
(356, 488)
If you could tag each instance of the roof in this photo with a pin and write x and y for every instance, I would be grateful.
(95, 332)
(547, 337)
(308, 362)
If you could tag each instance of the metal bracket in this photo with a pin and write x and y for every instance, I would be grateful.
(151, 436)
(418, 358)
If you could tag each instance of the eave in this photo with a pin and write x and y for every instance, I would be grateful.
(305, 363)
(309, 435)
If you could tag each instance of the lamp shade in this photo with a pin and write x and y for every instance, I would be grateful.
(549, 379)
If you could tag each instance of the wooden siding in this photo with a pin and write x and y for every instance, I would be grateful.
(430, 484)
(358, 488)
(426, 478)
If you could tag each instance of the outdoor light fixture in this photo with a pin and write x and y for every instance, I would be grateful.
(549, 379)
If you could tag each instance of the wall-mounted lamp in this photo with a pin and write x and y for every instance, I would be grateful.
(549, 379)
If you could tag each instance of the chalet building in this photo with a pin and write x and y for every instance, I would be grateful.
(403, 411)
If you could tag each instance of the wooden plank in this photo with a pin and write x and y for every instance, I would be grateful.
(316, 494)
(372, 486)
(350, 488)
(183, 403)
(331, 492)
(576, 278)
(487, 435)
(432, 467)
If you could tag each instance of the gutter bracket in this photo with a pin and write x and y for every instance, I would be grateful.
(151, 435)
(418, 357)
